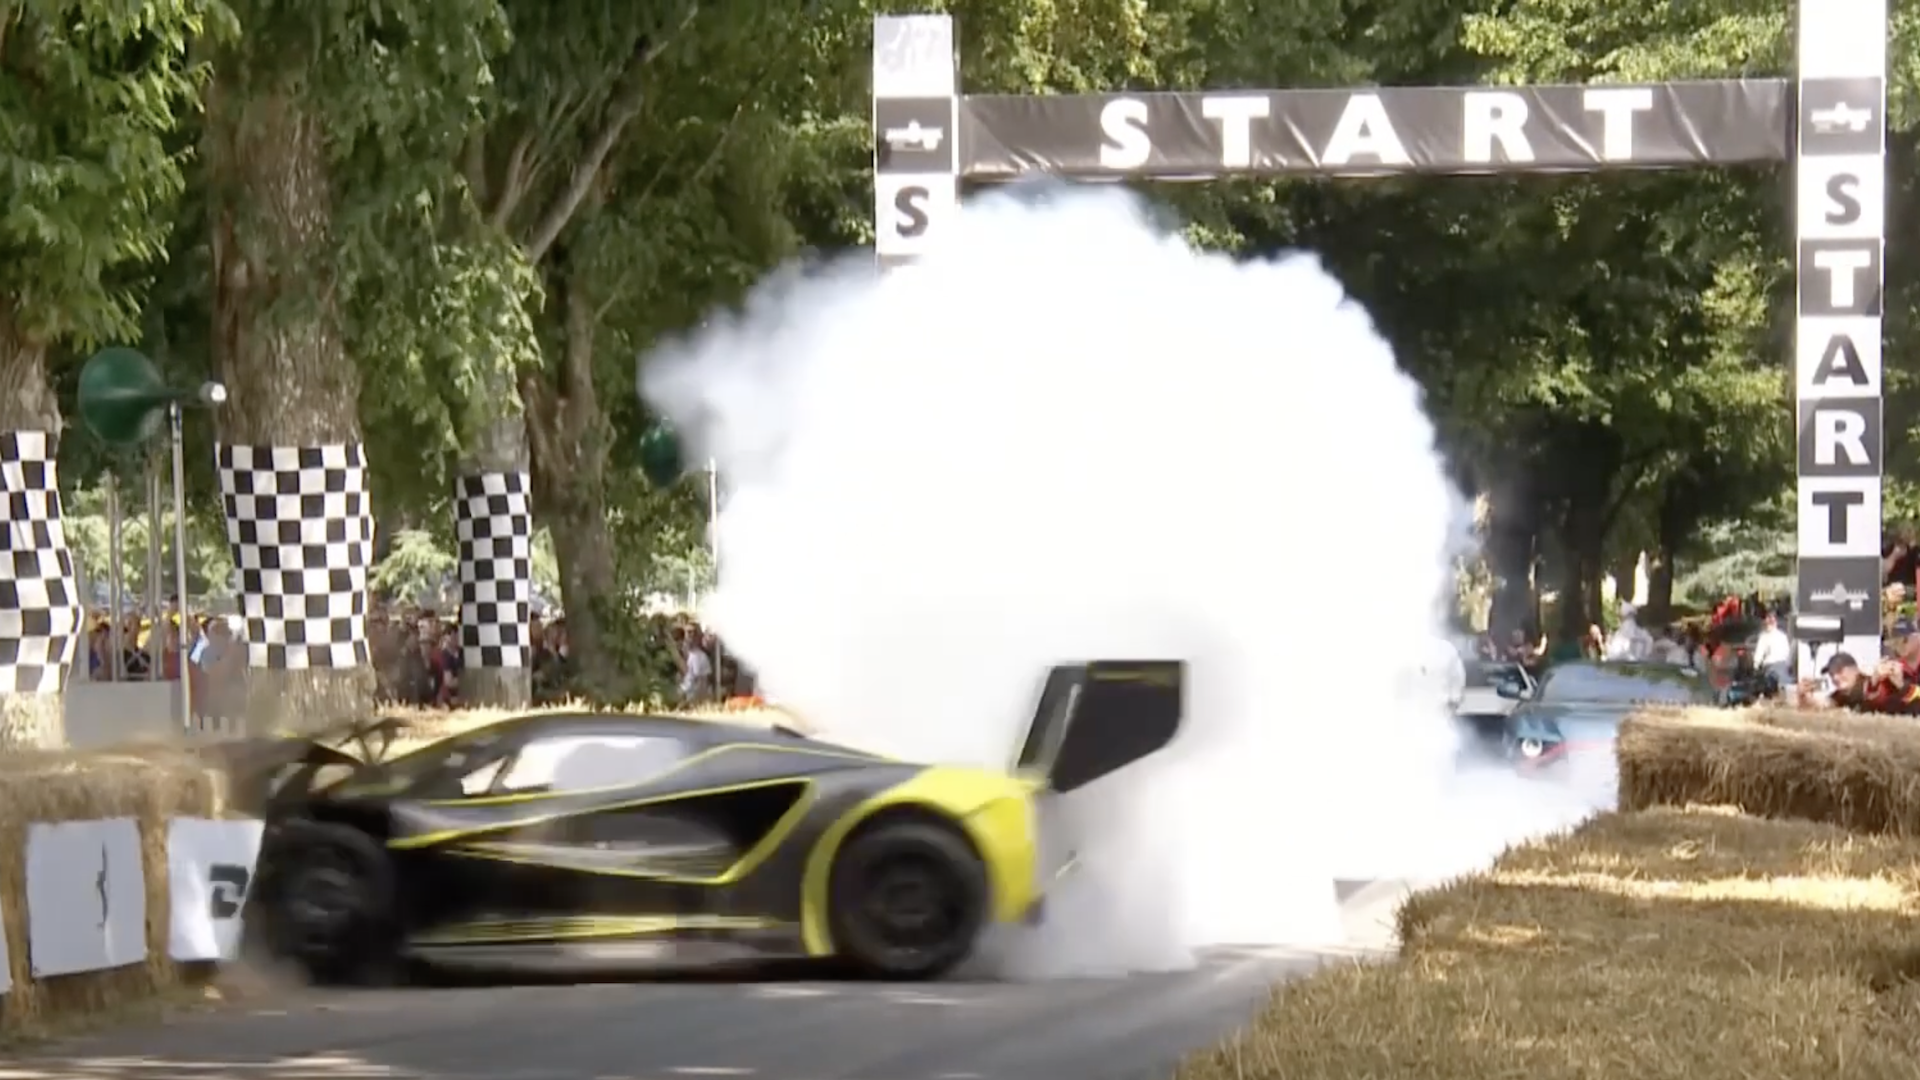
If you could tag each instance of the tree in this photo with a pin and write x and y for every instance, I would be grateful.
(569, 91)
(328, 173)
(640, 161)
(89, 93)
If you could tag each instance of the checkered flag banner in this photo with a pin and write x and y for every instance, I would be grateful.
(39, 596)
(302, 538)
(493, 521)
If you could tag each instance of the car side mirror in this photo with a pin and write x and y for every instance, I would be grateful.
(1511, 690)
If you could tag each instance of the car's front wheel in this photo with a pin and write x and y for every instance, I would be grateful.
(327, 903)
(909, 899)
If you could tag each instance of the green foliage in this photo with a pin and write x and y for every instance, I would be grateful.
(90, 536)
(1608, 354)
(1738, 560)
(416, 569)
(92, 92)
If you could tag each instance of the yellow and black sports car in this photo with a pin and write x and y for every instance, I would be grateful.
(573, 840)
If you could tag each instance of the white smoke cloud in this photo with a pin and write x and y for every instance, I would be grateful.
(1066, 436)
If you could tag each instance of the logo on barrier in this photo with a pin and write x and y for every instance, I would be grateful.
(1838, 118)
(227, 889)
(1840, 594)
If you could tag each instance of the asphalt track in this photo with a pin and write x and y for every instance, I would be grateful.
(1104, 1029)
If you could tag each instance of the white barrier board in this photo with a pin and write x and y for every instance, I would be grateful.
(6, 963)
(86, 896)
(209, 870)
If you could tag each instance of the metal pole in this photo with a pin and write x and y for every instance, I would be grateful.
(713, 553)
(116, 591)
(180, 560)
(156, 529)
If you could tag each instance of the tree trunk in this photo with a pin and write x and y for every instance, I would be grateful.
(1582, 564)
(1660, 586)
(494, 528)
(1671, 528)
(40, 612)
(290, 417)
(568, 436)
(1512, 539)
(1621, 569)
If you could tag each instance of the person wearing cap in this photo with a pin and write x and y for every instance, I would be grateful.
(1899, 674)
(1889, 690)
(1850, 684)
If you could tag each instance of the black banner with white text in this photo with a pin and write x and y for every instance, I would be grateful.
(1204, 135)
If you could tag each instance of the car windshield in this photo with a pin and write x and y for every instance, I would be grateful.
(1596, 684)
(453, 755)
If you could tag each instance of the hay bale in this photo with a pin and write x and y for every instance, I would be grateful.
(1858, 772)
(148, 784)
(1671, 943)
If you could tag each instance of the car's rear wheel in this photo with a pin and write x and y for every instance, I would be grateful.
(909, 899)
(327, 903)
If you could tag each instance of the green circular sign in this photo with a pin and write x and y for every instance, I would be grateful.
(122, 399)
(662, 460)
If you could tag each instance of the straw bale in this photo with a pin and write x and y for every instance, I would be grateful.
(1676, 943)
(1859, 772)
(148, 784)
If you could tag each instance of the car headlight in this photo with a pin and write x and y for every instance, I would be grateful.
(1532, 748)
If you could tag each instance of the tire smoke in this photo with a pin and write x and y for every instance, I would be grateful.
(1068, 435)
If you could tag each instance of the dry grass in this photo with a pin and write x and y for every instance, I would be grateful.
(1666, 943)
(148, 784)
(1858, 772)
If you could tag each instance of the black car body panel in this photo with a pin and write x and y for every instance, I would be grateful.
(706, 842)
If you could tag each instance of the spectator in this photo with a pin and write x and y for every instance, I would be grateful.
(1628, 641)
(1889, 690)
(1773, 652)
(1900, 560)
(168, 662)
(1667, 648)
(134, 661)
(100, 652)
(696, 669)
(413, 673)
(446, 664)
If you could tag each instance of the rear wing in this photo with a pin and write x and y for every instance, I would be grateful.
(1097, 718)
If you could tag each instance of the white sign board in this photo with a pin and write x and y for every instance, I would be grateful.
(209, 870)
(6, 963)
(86, 896)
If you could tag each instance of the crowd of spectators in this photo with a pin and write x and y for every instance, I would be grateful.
(416, 656)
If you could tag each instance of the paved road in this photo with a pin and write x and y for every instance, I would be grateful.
(1114, 1029)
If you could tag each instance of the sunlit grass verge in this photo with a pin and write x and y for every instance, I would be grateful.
(1673, 942)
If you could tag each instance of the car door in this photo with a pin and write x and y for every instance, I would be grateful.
(627, 856)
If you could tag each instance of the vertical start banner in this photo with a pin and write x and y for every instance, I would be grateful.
(1840, 179)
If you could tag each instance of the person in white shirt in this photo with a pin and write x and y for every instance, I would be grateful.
(696, 678)
(1628, 641)
(1773, 652)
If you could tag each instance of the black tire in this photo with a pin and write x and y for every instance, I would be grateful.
(908, 900)
(327, 903)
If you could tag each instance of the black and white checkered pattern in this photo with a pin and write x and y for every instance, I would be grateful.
(302, 539)
(493, 521)
(39, 597)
